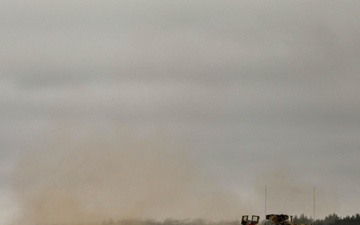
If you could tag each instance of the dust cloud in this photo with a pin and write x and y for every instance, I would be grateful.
(88, 177)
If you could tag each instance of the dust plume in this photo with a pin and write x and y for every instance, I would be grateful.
(83, 177)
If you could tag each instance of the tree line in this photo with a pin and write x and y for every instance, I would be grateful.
(331, 219)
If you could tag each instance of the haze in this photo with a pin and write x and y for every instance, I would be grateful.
(178, 109)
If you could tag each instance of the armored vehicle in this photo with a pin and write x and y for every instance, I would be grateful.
(278, 219)
(246, 221)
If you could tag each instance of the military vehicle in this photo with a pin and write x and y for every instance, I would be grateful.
(278, 219)
(254, 220)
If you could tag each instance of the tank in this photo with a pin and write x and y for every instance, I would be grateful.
(278, 219)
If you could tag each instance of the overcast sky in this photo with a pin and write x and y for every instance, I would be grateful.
(250, 90)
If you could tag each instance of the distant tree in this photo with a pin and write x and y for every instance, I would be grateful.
(302, 219)
(332, 219)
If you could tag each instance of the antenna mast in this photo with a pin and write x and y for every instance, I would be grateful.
(314, 202)
(265, 198)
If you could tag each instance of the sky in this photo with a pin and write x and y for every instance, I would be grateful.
(179, 109)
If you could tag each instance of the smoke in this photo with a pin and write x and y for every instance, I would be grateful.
(85, 177)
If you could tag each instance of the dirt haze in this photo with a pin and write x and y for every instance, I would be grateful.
(81, 177)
